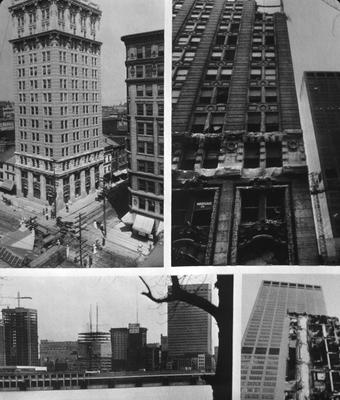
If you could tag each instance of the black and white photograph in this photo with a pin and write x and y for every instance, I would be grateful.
(290, 346)
(124, 338)
(81, 111)
(255, 138)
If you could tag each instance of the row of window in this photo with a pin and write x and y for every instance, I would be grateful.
(146, 51)
(149, 148)
(148, 90)
(148, 109)
(272, 156)
(47, 97)
(150, 186)
(149, 167)
(146, 71)
(150, 205)
(147, 128)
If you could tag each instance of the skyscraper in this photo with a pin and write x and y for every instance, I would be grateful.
(265, 341)
(145, 97)
(119, 344)
(21, 336)
(94, 351)
(136, 350)
(189, 327)
(240, 181)
(59, 145)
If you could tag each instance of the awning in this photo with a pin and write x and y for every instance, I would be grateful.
(7, 185)
(128, 218)
(160, 228)
(143, 224)
(120, 172)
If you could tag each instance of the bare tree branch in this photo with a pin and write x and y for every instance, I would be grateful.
(180, 294)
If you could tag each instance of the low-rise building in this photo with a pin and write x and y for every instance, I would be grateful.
(59, 356)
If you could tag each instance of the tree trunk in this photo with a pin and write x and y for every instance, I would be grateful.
(222, 381)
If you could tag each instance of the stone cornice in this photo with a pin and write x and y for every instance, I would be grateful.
(55, 32)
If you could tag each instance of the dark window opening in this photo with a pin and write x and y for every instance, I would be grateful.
(251, 155)
(188, 159)
(250, 206)
(269, 40)
(211, 157)
(273, 154)
(220, 39)
(222, 95)
(255, 95)
(205, 96)
(271, 95)
(232, 40)
(272, 122)
(254, 122)
(229, 55)
(199, 123)
(217, 122)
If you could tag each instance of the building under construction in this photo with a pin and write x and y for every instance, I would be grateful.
(313, 369)
(240, 182)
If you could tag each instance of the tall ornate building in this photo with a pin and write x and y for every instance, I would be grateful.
(145, 99)
(59, 145)
(240, 182)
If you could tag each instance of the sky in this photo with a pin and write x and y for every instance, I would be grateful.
(330, 284)
(120, 17)
(63, 303)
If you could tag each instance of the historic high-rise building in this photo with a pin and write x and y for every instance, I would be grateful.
(265, 347)
(58, 122)
(145, 99)
(21, 336)
(189, 327)
(240, 182)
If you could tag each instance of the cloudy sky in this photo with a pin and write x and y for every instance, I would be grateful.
(63, 303)
(120, 17)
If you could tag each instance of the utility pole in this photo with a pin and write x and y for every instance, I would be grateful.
(102, 196)
(80, 225)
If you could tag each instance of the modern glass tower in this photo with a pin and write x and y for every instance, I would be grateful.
(189, 327)
(265, 341)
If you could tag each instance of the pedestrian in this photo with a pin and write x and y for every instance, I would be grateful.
(103, 241)
(95, 224)
(67, 208)
(67, 251)
(90, 261)
(94, 248)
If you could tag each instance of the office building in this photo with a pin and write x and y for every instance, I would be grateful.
(2, 345)
(119, 344)
(94, 351)
(21, 336)
(58, 356)
(145, 76)
(189, 327)
(240, 182)
(264, 351)
(316, 74)
(58, 116)
(136, 350)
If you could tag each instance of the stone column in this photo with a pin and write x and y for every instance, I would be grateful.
(93, 180)
(72, 187)
(82, 184)
(30, 185)
(43, 188)
(60, 194)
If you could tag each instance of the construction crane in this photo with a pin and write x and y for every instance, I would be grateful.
(18, 297)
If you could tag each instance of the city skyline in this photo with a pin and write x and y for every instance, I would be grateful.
(138, 16)
(116, 311)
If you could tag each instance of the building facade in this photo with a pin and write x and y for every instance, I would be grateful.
(240, 182)
(94, 351)
(145, 76)
(312, 357)
(58, 356)
(136, 350)
(189, 327)
(59, 144)
(21, 336)
(119, 343)
(265, 340)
